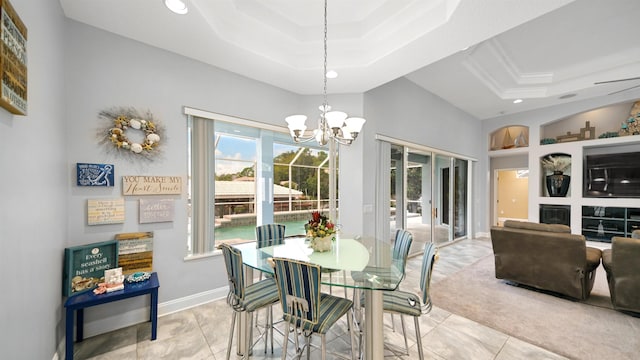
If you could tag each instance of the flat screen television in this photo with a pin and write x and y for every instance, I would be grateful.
(612, 175)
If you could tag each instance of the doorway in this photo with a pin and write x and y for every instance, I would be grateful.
(511, 195)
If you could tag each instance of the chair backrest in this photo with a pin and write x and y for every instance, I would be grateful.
(299, 290)
(401, 246)
(235, 275)
(428, 260)
(269, 234)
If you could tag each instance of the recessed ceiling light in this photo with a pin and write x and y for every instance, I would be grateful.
(177, 6)
(332, 74)
(517, 101)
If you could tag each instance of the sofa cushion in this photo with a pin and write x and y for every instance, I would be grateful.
(593, 258)
(606, 259)
(555, 228)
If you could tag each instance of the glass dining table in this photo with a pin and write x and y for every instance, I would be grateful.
(363, 264)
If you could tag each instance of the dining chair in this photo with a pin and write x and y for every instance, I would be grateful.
(305, 307)
(399, 253)
(269, 235)
(408, 303)
(247, 298)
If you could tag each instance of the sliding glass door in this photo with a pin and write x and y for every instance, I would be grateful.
(428, 194)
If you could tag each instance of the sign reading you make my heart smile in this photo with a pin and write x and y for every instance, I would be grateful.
(151, 185)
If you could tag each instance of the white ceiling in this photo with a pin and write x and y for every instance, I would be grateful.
(535, 50)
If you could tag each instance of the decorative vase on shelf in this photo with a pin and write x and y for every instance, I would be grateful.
(558, 184)
(321, 244)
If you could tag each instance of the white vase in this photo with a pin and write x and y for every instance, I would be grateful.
(322, 244)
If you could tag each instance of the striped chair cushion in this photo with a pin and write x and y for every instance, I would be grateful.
(332, 308)
(270, 234)
(260, 294)
(401, 302)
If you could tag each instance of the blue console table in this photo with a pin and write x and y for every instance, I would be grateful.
(79, 302)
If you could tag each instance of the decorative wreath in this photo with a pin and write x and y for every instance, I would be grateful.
(123, 123)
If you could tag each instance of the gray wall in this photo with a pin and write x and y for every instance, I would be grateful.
(104, 71)
(34, 186)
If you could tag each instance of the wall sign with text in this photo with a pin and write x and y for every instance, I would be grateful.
(156, 210)
(94, 174)
(105, 211)
(151, 185)
(84, 266)
(135, 252)
(13, 60)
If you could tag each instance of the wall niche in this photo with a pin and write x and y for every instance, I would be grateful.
(509, 137)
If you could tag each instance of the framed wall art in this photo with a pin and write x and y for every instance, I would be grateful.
(84, 266)
(105, 211)
(94, 174)
(13, 60)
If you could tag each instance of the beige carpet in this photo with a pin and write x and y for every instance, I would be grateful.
(578, 330)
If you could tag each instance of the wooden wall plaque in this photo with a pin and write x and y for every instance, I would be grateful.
(13, 60)
(151, 185)
(135, 252)
(105, 211)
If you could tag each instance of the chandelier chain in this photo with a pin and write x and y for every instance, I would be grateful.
(343, 130)
(324, 105)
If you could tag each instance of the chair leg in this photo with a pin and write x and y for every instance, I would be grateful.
(249, 343)
(404, 333)
(286, 341)
(323, 347)
(416, 321)
(233, 324)
(308, 342)
(271, 326)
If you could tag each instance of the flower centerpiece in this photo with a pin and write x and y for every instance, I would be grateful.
(320, 231)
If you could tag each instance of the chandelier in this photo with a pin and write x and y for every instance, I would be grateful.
(332, 125)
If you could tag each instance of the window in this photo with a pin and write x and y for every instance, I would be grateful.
(242, 174)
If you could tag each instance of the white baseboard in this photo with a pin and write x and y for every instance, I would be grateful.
(482, 235)
(142, 315)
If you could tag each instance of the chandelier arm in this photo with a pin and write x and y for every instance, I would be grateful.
(301, 139)
(342, 141)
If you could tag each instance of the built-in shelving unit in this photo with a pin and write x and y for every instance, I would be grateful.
(587, 141)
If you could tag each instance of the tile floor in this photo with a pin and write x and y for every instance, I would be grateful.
(202, 332)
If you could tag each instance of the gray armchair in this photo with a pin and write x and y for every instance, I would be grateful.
(623, 272)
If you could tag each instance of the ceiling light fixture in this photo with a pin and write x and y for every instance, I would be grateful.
(332, 125)
(517, 101)
(177, 6)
